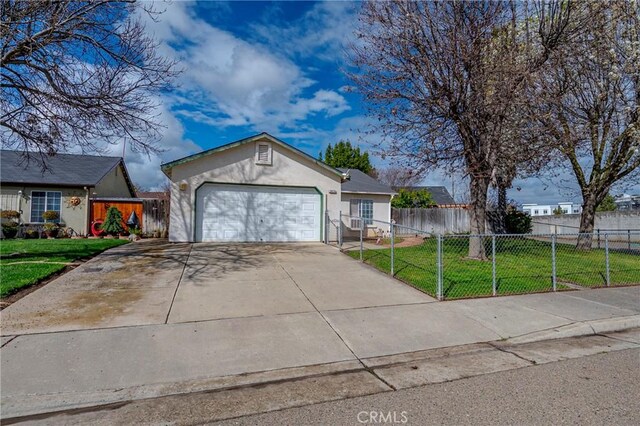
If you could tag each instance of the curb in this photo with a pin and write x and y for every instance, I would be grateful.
(584, 328)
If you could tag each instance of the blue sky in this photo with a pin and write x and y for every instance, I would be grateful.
(276, 67)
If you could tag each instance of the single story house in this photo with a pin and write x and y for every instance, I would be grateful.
(363, 196)
(263, 189)
(67, 186)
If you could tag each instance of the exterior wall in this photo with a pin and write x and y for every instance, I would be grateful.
(113, 184)
(238, 165)
(73, 217)
(381, 211)
(570, 223)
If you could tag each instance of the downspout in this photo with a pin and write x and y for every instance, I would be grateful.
(390, 200)
(326, 218)
(88, 214)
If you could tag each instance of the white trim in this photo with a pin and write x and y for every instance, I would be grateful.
(390, 194)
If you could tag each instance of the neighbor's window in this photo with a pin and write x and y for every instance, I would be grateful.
(363, 209)
(536, 211)
(41, 201)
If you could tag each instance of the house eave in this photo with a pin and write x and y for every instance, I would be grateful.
(370, 193)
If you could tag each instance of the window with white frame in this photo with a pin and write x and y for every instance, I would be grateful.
(41, 201)
(363, 209)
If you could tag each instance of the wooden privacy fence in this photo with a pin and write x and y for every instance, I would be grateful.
(152, 213)
(436, 221)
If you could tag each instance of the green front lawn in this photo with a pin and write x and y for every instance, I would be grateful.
(522, 266)
(26, 262)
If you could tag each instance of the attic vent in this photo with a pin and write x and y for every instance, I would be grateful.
(263, 153)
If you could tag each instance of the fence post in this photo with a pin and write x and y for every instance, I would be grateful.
(553, 261)
(493, 264)
(598, 237)
(439, 267)
(361, 241)
(629, 239)
(606, 257)
(393, 237)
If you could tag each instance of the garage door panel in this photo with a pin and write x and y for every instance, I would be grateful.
(255, 213)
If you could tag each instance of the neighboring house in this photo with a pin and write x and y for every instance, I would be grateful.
(365, 197)
(260, 189)
(547, 209)
(439, 194)
(626, 202)
(66, 186)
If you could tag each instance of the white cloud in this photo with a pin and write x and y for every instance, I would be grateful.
(231, 82)
(323, 32)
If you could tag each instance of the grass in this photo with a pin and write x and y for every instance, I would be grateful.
(27, 262)
(522, 266)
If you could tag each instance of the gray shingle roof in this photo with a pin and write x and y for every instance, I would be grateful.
(63, 169)
(361, 182)
(440, 194)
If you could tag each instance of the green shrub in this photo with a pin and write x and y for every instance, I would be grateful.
(518, 222)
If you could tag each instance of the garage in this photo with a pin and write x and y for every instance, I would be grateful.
(255, 213)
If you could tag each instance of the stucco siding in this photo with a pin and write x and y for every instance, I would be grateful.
(113, 184)
(381, 211)
(70, 216)
(237, 165)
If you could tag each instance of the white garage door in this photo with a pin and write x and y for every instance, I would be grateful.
(257, 213)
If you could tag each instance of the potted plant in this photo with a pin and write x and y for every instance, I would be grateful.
(50, 216)
(50, 229)
(112, 224)
(9, 223)
(32, 234)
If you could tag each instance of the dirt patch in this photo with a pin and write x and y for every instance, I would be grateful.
(406, 242)
(91, 308)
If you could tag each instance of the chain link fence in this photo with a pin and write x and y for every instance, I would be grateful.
(464, 266)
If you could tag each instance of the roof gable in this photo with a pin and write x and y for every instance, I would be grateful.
(62, 169)
(363, 183)
(166, 167)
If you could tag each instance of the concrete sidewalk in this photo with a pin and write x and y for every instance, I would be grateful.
(60, 370)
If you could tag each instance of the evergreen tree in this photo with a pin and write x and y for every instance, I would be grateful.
(113, 222)
(344, 155)
(608, 204)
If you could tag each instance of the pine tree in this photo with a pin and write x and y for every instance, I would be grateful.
(113, 222)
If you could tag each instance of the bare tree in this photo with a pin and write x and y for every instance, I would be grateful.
(397, 177)
(444, 81)
(78, 74)
(588, 104)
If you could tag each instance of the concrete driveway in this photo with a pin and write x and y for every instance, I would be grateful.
(159, 283)
(150, 319)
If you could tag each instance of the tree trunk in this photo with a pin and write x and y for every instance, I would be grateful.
(587, 220)
(478, 191)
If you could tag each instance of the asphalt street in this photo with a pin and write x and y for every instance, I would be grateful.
(598, 389)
